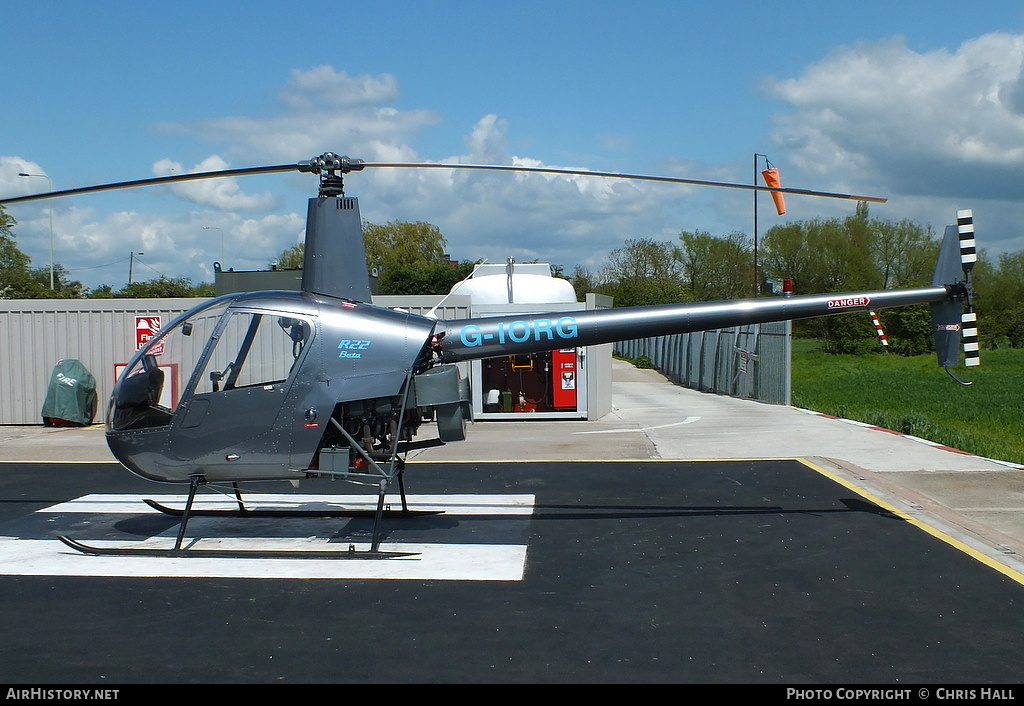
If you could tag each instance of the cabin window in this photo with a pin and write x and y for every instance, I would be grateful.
(253, 349)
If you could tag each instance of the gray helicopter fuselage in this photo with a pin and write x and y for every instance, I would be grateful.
(265, 373)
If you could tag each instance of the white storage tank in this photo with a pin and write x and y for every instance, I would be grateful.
(514, 283)
(552, 384)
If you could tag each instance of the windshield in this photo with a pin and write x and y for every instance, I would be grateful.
(148, 391)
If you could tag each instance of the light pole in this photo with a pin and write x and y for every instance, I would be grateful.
(131, 264)
(50, 181)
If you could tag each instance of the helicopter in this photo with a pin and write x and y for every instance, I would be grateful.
(321, 383)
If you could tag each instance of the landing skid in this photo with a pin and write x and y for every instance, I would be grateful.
(189, 511)
(178, 552)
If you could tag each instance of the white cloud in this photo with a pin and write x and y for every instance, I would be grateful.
(223, 193)
(936, 122)
(323, 86)
(172, 246)
(933, 131)
(12, 184)
(321, 109)
(562, 219)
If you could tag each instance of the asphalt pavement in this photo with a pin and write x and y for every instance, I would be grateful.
(685, 537)
(974, 500)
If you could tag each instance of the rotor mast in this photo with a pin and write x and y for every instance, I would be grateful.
(334, 260)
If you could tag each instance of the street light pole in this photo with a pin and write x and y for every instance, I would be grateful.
(131, 264)
(50, 181)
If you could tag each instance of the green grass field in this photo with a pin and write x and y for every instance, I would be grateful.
(915, 396)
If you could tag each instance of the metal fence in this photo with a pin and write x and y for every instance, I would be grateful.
(102, 334)
(750, 362)
(37, 333)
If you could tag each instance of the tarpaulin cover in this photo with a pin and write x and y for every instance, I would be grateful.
(70, 396)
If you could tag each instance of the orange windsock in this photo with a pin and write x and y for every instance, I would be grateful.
(771, 178)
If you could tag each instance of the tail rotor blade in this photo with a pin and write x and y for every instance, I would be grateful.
(968, 257)
(968, 249)
(969, 333)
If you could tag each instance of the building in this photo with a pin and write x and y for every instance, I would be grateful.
(103, 334)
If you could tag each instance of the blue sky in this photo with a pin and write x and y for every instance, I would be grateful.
(921, 102)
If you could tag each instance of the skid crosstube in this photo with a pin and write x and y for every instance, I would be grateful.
(283, 512)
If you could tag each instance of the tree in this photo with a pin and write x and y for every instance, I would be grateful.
(423, 277)
(643, 258)
(400, 243)
(850, 254)
(393, 244)
(905, 253)
(16, 281)
(999, 300)
(63, 286)
(583, 282)
(857, 252)
(292, 258)
(716, 267)
(19, 280)
(162, 287)
(643, 272)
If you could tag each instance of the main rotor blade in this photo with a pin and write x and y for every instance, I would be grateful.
(619, 175)
(170, 178)
(306, 167)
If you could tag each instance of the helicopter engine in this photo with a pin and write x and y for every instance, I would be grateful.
(365, 432)
(377, 424)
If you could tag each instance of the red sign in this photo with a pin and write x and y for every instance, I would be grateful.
(847, 302)
(147, 328)
(563, 372)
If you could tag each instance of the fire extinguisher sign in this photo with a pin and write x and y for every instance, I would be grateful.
(146, 328)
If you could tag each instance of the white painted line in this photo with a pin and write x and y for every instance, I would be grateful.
(451, 562)
(688, 420)
(451, 504)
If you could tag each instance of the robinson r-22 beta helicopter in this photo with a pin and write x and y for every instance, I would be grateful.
(293, 385)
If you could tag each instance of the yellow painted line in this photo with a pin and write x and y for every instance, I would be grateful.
(920, 524)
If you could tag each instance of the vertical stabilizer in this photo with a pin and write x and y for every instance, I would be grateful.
(953, 321)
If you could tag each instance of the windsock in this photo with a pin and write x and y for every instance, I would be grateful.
(771, 178)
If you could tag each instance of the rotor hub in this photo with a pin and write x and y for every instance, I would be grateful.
(330, 167)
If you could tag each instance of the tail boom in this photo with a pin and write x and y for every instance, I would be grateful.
(487, 337)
